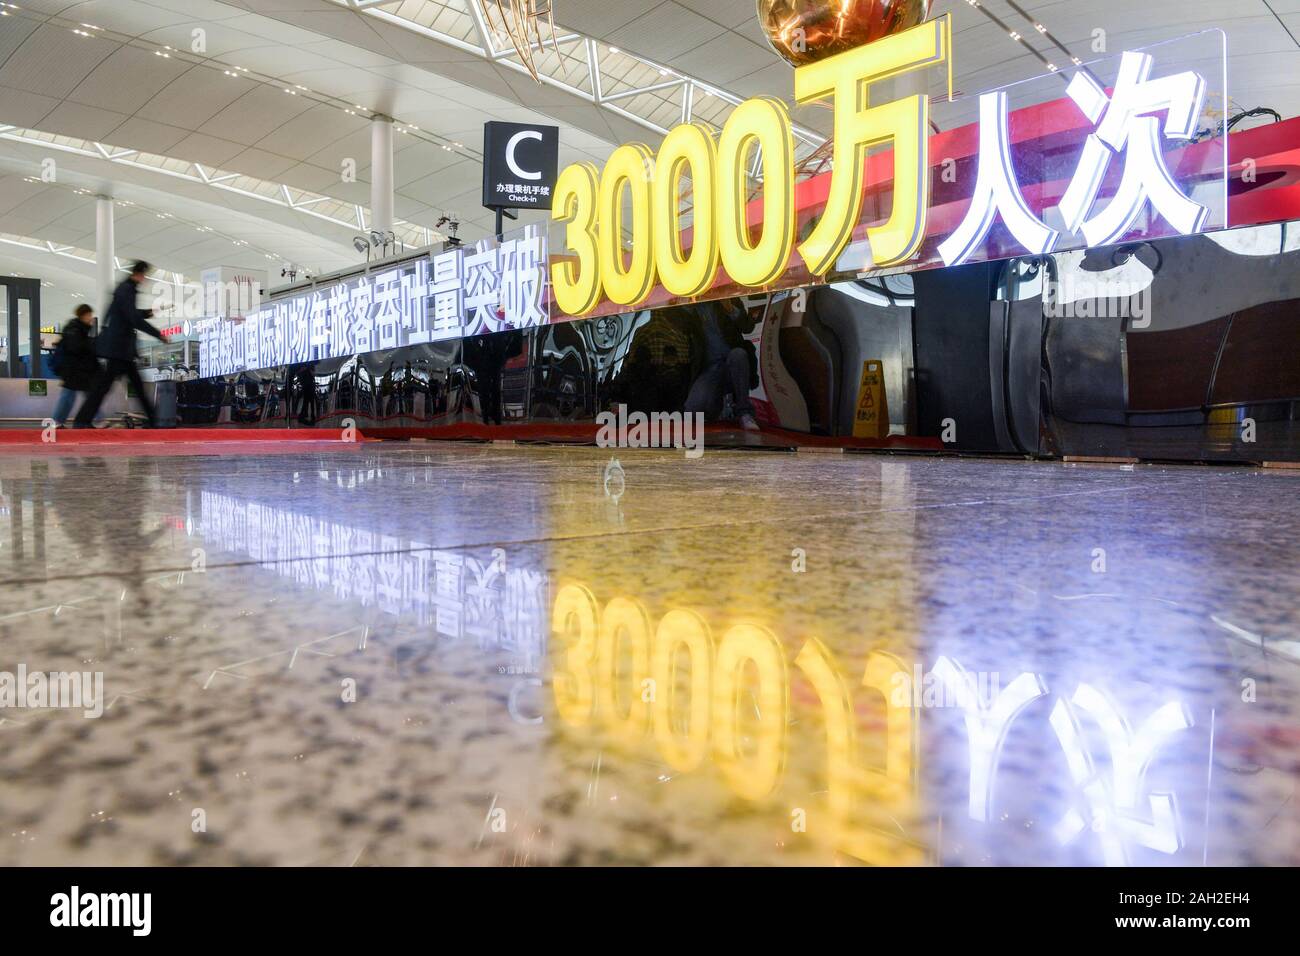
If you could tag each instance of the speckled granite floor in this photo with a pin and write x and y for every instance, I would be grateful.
(434, 654)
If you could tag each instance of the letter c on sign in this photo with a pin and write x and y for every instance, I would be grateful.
(511, 145)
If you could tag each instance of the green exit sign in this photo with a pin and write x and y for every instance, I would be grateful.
(38, 386)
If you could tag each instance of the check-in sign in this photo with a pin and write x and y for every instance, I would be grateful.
(520, 162)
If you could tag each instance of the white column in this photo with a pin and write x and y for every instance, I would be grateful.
(381, 173)
(104, 270)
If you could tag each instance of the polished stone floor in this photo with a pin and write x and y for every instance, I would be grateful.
(475, 654)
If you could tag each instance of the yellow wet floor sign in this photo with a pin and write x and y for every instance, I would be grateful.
(871, 419)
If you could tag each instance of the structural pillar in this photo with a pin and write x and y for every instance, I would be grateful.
(381, 173)
(104, 252)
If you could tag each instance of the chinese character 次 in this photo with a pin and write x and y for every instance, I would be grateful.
(1122, 128)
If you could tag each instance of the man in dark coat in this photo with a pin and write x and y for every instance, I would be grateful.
(79, 369)
(116, 344)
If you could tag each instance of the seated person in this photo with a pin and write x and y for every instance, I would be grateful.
(730, 363)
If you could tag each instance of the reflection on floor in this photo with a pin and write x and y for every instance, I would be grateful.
(425, 653)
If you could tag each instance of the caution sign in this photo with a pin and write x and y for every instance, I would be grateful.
(871, 419)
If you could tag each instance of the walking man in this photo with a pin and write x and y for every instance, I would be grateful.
(116, 344)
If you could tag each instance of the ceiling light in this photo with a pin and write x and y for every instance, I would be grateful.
(613, 49)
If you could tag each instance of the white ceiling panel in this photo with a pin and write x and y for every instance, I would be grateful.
(194, 97)
(73, 119)
(53, 60)
(13, 34)
(256, 114)
(126, 80)
(146, 135)
(666, 31)
(309, 132)
(729, 13)
(726, 58)
(201, 148)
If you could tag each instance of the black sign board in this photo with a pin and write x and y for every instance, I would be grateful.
(520, 163)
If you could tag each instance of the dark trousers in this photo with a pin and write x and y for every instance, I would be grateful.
(727, 375)
(113, 370)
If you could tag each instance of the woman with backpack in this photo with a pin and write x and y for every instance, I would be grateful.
(75, 361)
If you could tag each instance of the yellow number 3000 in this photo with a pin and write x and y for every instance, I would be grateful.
(623, 226)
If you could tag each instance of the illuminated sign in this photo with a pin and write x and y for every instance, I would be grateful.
(623, 230)
(1122, 131)
(488, 287)
(519, 163)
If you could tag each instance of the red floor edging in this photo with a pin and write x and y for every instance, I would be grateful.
(572, 432)
(169, 436)
(586, 432)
